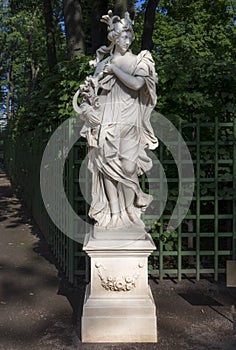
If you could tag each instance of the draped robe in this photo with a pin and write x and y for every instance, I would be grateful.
(123, 133)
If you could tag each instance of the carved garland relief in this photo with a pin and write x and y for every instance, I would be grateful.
(118, 284)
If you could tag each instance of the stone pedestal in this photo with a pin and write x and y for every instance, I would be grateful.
(231, 273)
(118, 305)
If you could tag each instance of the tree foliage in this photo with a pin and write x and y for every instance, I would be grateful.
(196, 56)
(23, 51)
(193, 45)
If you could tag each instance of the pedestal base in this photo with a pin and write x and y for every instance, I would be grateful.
(118, 305)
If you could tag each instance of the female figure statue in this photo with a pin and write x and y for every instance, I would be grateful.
(116, 107)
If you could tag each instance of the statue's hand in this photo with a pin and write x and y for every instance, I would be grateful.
(108, 68)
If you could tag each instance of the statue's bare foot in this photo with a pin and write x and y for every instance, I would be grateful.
(133, 216)
(144, 201)
(126, 219)
(115, 221)
(131, 213)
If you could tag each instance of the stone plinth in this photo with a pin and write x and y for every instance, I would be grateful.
(118, 305)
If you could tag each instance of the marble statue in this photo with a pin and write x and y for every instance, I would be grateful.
(116, 105)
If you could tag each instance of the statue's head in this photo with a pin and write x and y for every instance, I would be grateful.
(118, 28)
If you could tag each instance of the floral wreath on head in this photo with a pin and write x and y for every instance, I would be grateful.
(116, 26)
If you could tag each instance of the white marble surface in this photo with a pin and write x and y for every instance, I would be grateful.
(118, 305)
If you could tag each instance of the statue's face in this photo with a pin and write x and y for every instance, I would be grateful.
(123, 41)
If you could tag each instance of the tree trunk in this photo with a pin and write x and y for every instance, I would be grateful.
(73, 27)
(34, 75)
(49, 26)
(98, 29)
(121, 6)
(34, 69)
(149, 19)
(8, 95)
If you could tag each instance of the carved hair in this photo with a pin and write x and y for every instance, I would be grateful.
(115, 27)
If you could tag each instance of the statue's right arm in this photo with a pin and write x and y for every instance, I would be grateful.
(132, 82)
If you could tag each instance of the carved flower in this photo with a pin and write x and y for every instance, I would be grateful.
(129, 279)
(109, 279)
(119, 284)
(129, 286)
(105, 286)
